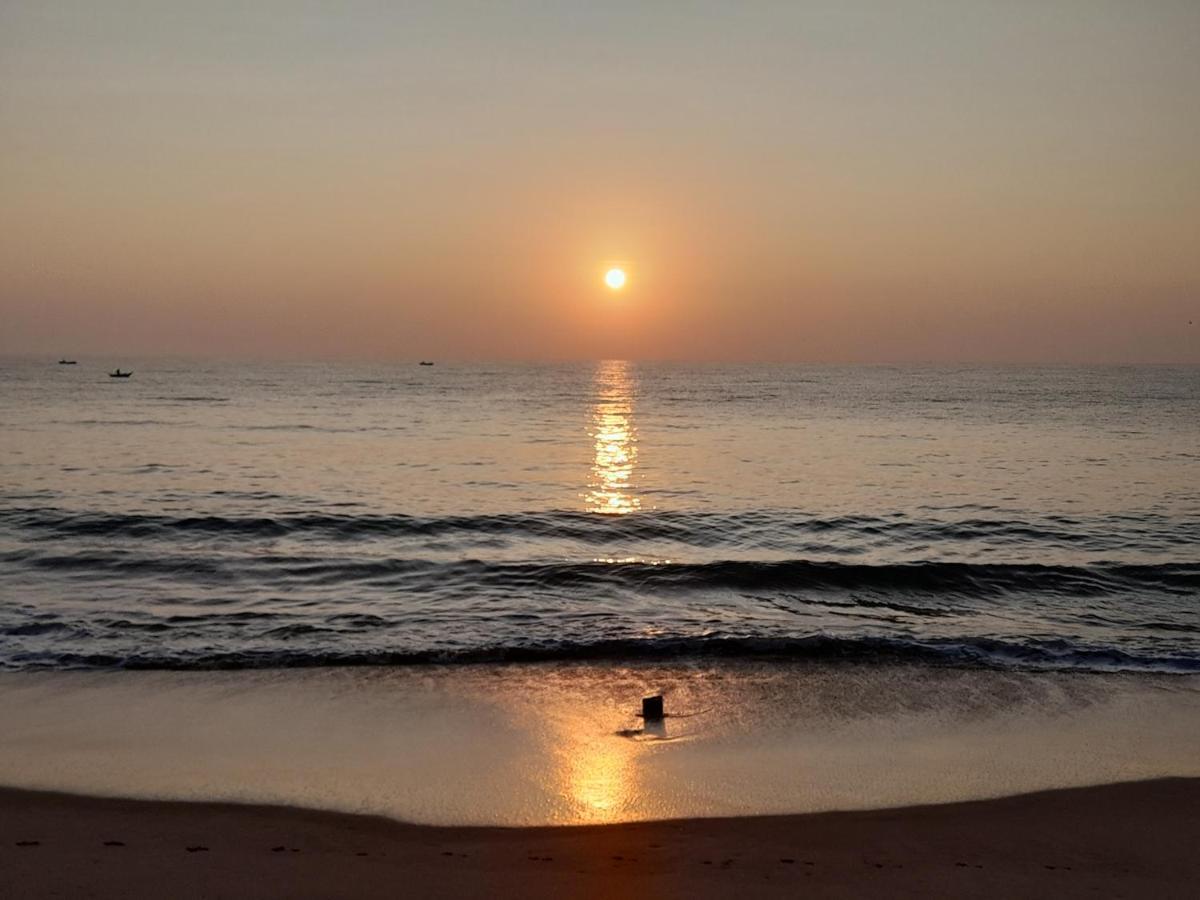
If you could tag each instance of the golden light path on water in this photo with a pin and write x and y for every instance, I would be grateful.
(614, 436)
(598, 770)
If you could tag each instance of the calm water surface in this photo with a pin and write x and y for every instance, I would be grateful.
(231, 515)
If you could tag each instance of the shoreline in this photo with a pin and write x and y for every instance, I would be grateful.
(535, 745)
(1134, 838)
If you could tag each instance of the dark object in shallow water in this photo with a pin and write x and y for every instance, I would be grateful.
(66, 362)
(117, 373)
(425, 362)
(652, 708)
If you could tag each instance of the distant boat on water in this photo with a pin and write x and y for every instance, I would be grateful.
(425, 362)
(117, 373)
(66, 362)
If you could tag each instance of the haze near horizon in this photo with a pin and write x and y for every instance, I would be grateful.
(821, 181)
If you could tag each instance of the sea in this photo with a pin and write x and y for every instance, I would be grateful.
(222, 515)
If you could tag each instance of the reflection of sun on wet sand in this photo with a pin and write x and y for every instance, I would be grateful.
(601, 777)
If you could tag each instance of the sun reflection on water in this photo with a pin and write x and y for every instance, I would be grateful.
(610, 484)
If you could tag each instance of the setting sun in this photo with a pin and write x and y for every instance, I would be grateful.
(615, 278)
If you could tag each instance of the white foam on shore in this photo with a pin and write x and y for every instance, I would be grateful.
(560, 744)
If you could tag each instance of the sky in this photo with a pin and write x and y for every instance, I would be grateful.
(954, 181)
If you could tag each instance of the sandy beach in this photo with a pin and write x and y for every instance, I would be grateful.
(1128, 840)
(561, 745)
(539, 781)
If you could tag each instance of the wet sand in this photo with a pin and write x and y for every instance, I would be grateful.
(1132, 840)
(548, 745)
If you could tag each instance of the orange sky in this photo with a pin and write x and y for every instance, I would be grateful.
(936, 181)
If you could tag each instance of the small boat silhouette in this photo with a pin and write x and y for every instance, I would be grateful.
(425, 362)
(117, 373)
(66, 362)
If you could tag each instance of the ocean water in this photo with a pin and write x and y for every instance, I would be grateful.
(233, 515)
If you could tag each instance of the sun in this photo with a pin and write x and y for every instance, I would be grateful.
(615, 278)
